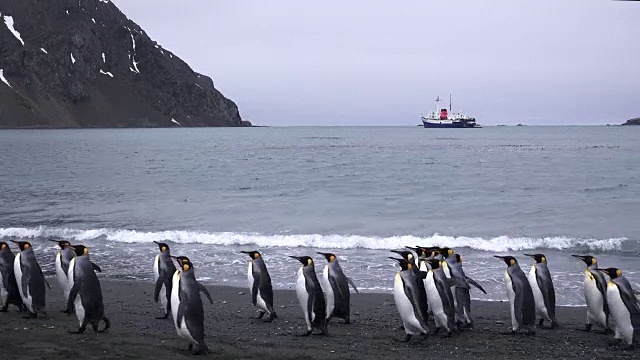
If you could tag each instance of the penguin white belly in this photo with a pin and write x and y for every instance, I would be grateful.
(435, 302)
(156, 268)
(62, 277)
(4, 294)
(405, 308)
(175, 298)
(328, 291)
(621, 316)
(595, 301)
(541, 309)
(512, 297)
(17, 270)
(80, 312)
(303, 297)
(250, 277)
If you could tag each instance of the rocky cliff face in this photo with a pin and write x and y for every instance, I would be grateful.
(83, 63)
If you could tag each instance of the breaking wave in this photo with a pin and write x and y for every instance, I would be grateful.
(494, 244)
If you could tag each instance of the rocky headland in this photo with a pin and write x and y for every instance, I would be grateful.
(83, 63)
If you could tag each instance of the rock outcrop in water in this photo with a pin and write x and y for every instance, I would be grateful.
(635, 121)
(83, 63)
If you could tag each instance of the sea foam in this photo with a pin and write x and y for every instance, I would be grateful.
(493, 244)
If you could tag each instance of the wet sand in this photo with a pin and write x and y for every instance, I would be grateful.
(232, 334)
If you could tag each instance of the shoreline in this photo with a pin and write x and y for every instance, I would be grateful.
(232, 334)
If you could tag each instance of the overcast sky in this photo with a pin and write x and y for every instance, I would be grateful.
(384, 62)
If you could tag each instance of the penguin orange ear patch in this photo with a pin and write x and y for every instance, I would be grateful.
(593, 261)
(163, 249)
(3, 246)
(26, 246)
(331, 258)
(309, 262)
(512, 262)
(618, 273)
(544, 259)
(185, 267)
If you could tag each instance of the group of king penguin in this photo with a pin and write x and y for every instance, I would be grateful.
(178, 292)
(431, 287)
(432, 284)
(22, 283)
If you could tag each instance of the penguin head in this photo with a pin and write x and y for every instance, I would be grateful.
(588, 259)
(612, 272)
(163, 246)
(434, 263)
(3, 245)
(446, 252)
(23, 245)
(305, 260)
(406, 254)
(329, 256)
(253, 254)
(509, 260)
(184, 263)
(80, 250)
(404, 263)
(62, 243)
(539, 258)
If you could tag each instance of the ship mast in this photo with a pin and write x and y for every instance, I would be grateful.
(449, 102)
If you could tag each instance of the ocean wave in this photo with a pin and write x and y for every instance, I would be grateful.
(493, 244)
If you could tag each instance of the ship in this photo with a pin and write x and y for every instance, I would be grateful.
(443, 118)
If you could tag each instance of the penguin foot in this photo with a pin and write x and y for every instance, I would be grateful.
(614, 342)
(587, 327)
(602, 332)
(4, 308)
(405, 339)
(79, 331)
(509, 332)
(30, 315)
(629, 347)
(305, 334)
(163, 317)
(347, 321)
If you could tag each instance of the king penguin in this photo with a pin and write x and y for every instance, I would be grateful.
(544, 294)
(260, 285)
(624, 307)
(452, 267)
(410, 299)
(9, 292)
(523, 307)
(63, 258)
(30, 280)
(163, 269)
(186, 306)
(311, 297)
(595, 294)
(335, 285)
(85, 293)
(440, 296)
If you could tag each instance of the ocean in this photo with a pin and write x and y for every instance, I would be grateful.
(354, 191)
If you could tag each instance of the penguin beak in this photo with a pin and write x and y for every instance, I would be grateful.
(396, 259)
(245, 252)
(412, 248)
(578, 256)
(299, 258)
(399, 252)
(156, 242)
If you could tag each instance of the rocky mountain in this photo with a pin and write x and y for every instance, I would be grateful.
(635, 121)
(83, 63)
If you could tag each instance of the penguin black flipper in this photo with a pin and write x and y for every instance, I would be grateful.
(524, 303)
(474, 283)
(601, 284)
(96, 267)
(255, 287)
(545, 283)
(350, 280)
(459, 283)
(266, 292)
(416, 303)
(156, 291)
(181, 307)
(204, 290)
